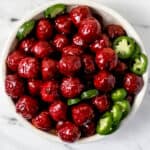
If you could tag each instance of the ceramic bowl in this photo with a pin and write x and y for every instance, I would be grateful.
(109, 16)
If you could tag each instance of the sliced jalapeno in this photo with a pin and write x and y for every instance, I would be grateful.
(118, 94)
(138, 64)
(124, 47)
(114, 127)
(116, 113)
(89, 94)
(125, 106)
(25, 29)
(54, 10)
(137, 50)
(104, 125)
(73, 101)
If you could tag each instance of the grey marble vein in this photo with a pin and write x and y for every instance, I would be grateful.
(10, 120)
(14, 19)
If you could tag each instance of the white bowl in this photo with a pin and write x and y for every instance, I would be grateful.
(110, 16)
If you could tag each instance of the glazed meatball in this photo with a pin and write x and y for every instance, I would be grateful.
(60, 41)
(69, 65)
(101, 43)
(88, 129)
(79, 41)
(42, 121)
(104, 81)
(42, 49)
(71, 87)
(115, 31)
(49, 68)
(28, 68)
(26, 45)
(90, 29)
(49, 91)
(101, 103)
(133, 83)
(27, 107)
(106, 59)
(72, 50)
(63, 24)
(79, 13)
(82, 114)
(44, 29)
(88, 64)
(14, 86)
(58, 111)
(69, 132)
(34, 86)
(121, 68)
(13, 60)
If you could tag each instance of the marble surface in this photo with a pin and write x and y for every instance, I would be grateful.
(134, 136)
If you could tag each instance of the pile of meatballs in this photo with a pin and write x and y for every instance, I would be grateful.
(60, 59)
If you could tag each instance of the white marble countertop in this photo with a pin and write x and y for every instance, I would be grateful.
(134, 136)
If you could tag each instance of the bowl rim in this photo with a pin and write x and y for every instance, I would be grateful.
(32, 14)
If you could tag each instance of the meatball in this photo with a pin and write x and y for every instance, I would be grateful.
(79, 41)
(14, 86)
(26, 45)
(69, 65)
(82, 114)
(34, 86)
(63, 24)
(72, 50)
(102, 42)
(60, 41)
(44, 29)
(121, 68)
(89, 29)
(58, 111)
(88, 129)
(13, 60)
(42, 121)
(88, 64)
(101, 103)
(28, 67)
(71, 87)
(42, 49)
(79, 13)
(27, 107)
(115, 31)
(49, 91)
(133, 83)
(49, 68)
(104, 81)
(69, 132)
(106, 59)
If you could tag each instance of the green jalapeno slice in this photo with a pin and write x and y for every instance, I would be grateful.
(55, 10)
(138, 64)
(73, 101)
(124, 47)
(89, 94)
(25, 29)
